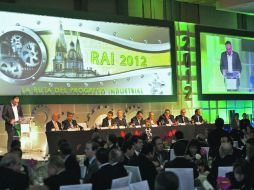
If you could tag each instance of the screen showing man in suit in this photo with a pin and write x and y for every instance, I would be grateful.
(227, 63)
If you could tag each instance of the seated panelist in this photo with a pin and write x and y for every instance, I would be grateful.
(151, 120)
(120, 120)
(182, 119)
(54, 124)
(166, 118)
(138, 119)
(69, 123)
(197, 117)
(108, 121)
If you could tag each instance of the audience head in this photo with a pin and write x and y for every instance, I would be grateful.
(115, 156)
(120, 114)
(110, 115)
(179, 148)
(99, 140)
(64, 147)
(179, 135)
(244, 116)
(241, 170)
(102, 156)
(157, 143)
(69, 116)
(193, 147)
(167, 112)
(15, 100)
(139, 115)
(183, 112)
(226, 146)
(15, 144)
(112, 139)
(55, 165)
(219, 123)
(147, 150)
(200, 137)
(236, 116)
(90, 149)
(197, 112)
(11, 161)
(55, 117)
(137, 142)
(166, 181)
(144, 137)
(128, 148)
(128, 136)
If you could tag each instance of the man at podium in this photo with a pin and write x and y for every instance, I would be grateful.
(12, 114)
(230, 67)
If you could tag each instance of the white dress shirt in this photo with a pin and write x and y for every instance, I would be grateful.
(230, 63)
(15, 111)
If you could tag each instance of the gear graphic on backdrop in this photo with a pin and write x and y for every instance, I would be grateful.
(29, 54)
(23, 55)
(11, 68)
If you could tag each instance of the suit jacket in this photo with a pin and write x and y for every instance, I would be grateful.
(244, 123)
(72, 166)
(102, 179)
(134, 121)
(119, 122)
(50, 126)
(195, 118)
(180, 119)
(66, 124)
(181, 162)
(236, 63)
(105, 122)
(90, 169)
(8, 114)
(119, 170)
(163, 120)
(147, 168)
(10, 179)
(61, 179)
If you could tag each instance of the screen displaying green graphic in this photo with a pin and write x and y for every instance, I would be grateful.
(227, 64)
(46, 55)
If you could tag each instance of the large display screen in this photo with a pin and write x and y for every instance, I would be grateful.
(226, 62)
(46, 55)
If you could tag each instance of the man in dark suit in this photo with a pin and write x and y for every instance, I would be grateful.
(108, 121)
(54, 124)
(230, 61)
(69, 122)
(244, 122)
(90, 162)
(197, 118)
(120, 120)
(138, 119)
(180, 161)
(115, 159)
(102, 178)
(128, 151)
(12, 114)
(182, 119)
(11, 176)
(166, 118)
(160, 155)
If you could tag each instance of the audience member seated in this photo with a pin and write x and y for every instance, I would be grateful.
(235, 122)
(138, 145)
(144, 162)
(193, 151)
(112, 142)
(197, 117)
(69, 123)
(54, 124)
(10, 175)
(108, 121)
(180, 161)
(120, 120)
(166, 118)
(226, 156)
(182, 119)
(138, 119)
(70, 161)
(240, 178)
(214, 136)
(244, 122)
(58, 176)
(160, 155)
(128, 151)
(179, 137)
(102, 178)
(116, 160)
(90, 162)
(202, 140)
(151, 120)
(166, 181)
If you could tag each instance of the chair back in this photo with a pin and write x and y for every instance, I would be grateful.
(134, 170)
(87, 186)
(223, 170)
(120, 182)
(142, 185)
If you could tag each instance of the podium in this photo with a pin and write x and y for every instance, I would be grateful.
(25, 133)
(232, 80)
